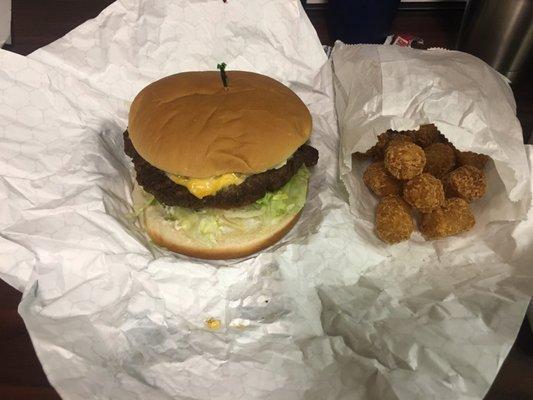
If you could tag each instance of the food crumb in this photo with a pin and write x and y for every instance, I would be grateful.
(213, 324)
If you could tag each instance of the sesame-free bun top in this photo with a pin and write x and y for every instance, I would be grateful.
(189, 124)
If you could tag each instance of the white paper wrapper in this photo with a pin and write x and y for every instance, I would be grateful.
(325, 314)
(382, 87)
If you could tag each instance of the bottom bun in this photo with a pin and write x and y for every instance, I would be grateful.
(163, 233)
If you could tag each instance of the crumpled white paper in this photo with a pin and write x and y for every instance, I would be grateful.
(382, 87)
(326, 314)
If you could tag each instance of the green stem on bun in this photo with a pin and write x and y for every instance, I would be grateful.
(223, 76)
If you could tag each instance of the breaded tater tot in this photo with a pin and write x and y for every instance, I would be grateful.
(424, 192)
(426, 135)
(397, 138)
(377, 179)
(440, 159)
(394, 222)
(452, 218)
(385, 139)
(405, 160)
(470, 158)
(466, 182)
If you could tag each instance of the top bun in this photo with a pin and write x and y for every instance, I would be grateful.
(188, 124)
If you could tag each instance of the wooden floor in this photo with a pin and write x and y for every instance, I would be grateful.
(38, 22)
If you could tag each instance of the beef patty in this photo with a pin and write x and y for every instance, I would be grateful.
(254, 187)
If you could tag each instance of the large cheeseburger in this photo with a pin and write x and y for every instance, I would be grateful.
(221, 170)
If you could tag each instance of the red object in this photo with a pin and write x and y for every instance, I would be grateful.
(405, 40)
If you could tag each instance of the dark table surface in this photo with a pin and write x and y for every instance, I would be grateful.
(37, 23)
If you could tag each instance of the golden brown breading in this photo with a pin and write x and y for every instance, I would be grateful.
(394, 222)
(454, 217)
(377, 179)
(470, 158)
(395, 139)
(377, 152)
(440, 159)
(424, 192)
(405, 160)
(448, 191)
(466, 182)
(387, 139)
(426, 135)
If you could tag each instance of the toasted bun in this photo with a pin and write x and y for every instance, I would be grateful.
(163, 233)
(188, 124)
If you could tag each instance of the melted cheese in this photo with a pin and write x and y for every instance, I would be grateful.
(208, 186)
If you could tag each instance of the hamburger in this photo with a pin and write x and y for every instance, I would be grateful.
(221, 171)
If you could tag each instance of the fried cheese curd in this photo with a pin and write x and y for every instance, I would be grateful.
(379, 181)
(424, 192)
(405, 160)
(440, 159)
(452, 218)
(394, 222)
(466, 182)
(470, 158)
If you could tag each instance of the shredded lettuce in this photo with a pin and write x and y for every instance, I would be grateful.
(207, 225)
(149, 200)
